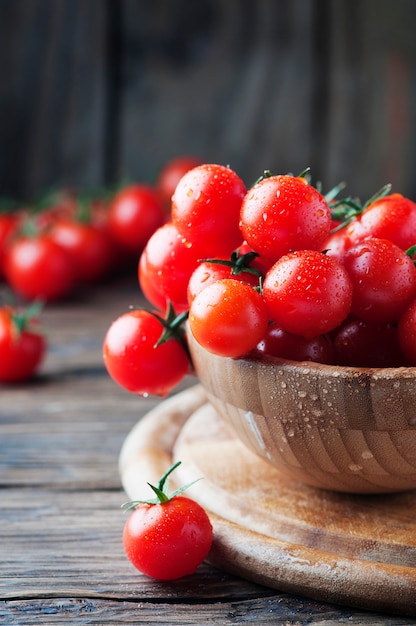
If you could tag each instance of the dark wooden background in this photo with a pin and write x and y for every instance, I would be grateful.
(92, 91)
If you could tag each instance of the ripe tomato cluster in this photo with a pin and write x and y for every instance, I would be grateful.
(277, 270)
(70, 238)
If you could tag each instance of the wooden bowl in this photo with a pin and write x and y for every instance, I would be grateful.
(339, 428)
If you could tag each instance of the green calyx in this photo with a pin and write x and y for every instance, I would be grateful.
(347, 209)
(173, 326)
(22, 317)
(240, 264)
(161, 491)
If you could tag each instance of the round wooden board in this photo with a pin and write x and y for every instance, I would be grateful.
(353, 550)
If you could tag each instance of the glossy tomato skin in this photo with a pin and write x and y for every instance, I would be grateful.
(284, 213)
(206, 208)
(135, 362)
(169, 540)
(170, 175)
(358, 343)
(135, 212)
(207, 273)
(383, 278)
(279, 343)
(228, 318)
(39, 268)
(165, 267)
(91, 249)
(406, 330)
(8, 227)
(392, 217)
(21, 352)
(307, 293)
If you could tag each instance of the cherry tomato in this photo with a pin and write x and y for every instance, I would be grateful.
(8, 227)
(406, 330)
(22, 346)
(307, 293)
(39, 268)
(206, 208)
(392, 217)
(89, 246)
(135, 212)
(169, 537)
(135, 361)
(367, 344)
(279, 343)
(383, 278)
(165, 267)
(284, 213)
(228, 317)
(238, 267)
(170, 175)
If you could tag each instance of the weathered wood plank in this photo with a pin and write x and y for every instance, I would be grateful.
(61, 554)
(74, 542)
(277, 610)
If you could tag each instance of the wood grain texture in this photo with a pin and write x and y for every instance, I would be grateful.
(94, 92)
(279, 533)
(61, 558)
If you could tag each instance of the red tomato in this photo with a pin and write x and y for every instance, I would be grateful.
(392, 217)
(165, 267)
(209, 272)
(367, 344)
(89, 246)
(206, 208)
(228, 318)
(39, 268)
(22, 347)
(383, 278)
(8, 227)
(171, 174)
(135, 361)
(407, 333)
(307, 293)
(135, 212)
(284, 213)
(279, 343)
(168, 537)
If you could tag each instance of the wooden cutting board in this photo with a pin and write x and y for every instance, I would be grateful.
(353, 550)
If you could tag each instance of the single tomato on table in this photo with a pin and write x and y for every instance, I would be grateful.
(146, 354)
(167, 537)
(37, 267)
(22, 344)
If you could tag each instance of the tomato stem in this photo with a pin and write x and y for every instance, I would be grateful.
(239, 264)
(161, 491)
(347, 209)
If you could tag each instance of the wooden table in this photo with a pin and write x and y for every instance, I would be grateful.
(61, 556)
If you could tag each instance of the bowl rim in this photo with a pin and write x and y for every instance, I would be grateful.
(248, 359)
